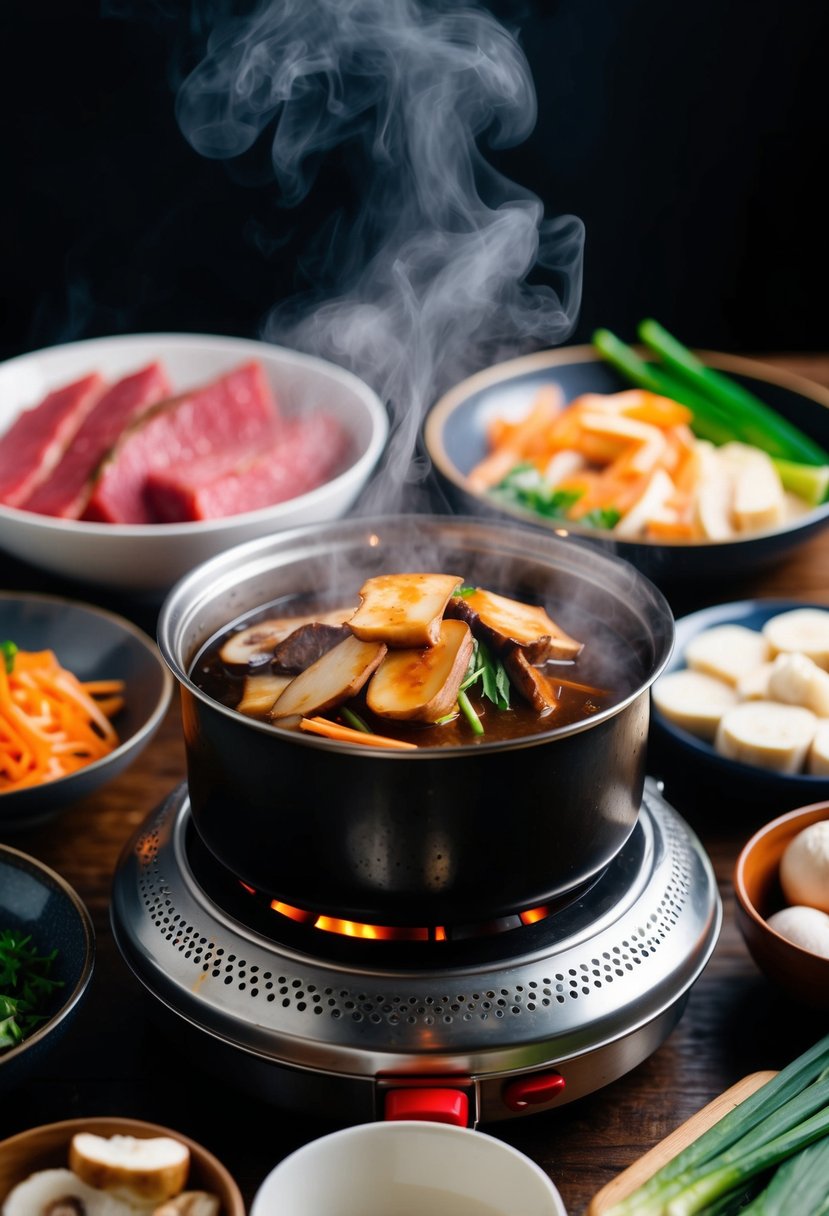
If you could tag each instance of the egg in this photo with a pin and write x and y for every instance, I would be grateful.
(804, 867)
(804, 927)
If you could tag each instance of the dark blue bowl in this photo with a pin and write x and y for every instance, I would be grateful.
(455, 438)
(94, 645)
(686, 762)
(36, 901)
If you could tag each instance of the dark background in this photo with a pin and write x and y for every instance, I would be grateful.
(689, 138)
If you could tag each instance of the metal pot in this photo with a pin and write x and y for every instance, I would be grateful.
(433, 836)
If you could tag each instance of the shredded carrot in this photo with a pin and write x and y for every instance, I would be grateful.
(51, 723)
(345, 734)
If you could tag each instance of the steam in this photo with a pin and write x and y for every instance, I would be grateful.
(427, 280)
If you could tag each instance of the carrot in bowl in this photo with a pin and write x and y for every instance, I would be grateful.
(51, 723)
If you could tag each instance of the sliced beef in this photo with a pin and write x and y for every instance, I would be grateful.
(237, 409)
(35, 442)
(305, 645)
(305, 452)
(66, 490)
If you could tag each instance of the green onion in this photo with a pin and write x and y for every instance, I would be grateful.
(801, 1184)
(465, 706)
(8, 651)
(809, 481)
(355, 720)
(769, 1114)
(758, 424)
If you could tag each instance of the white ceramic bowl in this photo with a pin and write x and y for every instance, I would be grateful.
(151, 557)
(407, 1168)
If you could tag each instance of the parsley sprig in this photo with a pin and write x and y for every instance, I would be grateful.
(25, 986)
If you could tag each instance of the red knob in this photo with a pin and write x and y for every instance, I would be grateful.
(533, 1090)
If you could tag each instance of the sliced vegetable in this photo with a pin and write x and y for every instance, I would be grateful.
(255, 645)
(422, 685)
(693, 701)
(26, 986)
(727, 652)
(403, 610)
(801, 629)
(338, 675)
(757, 423)
(767, 735)
(506, 623)
(345, 734)
(260, 690)
(532, 682)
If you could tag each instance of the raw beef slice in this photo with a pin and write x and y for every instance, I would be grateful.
(236, 409)
(305, 453)
(37, 439)
(66, 490)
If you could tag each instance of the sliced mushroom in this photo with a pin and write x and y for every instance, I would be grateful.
(403, 610)
(305, 645)
(260, 691)
(190, 1203)
(255, 645)
(334, 678)
(505, 624)
(422, 684)
(533, 683)
(129, 1167)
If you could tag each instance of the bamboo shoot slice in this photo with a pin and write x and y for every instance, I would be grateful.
(531, 682)
(693, 701)
(421, 685)
(727, 652)
(336, 677)
(767, 735)
(403, 610)
(259, 692)
(800, 629)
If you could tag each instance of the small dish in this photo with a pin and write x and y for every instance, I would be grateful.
(36, 901)
(681, 758)
(455, 439)
(93, 644)
(47, 1147)
(800, 973)
(151, 557)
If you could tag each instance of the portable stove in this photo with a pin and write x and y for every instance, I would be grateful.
(469, 1023)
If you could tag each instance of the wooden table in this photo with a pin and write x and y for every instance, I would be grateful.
(113, 1063)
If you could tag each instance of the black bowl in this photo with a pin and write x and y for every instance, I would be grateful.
(455, 438)
(36, 901)
(94, 645)
(688, 764)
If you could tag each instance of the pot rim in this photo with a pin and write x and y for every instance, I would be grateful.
(181, 599)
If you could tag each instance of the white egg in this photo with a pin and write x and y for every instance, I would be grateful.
(804, 867)
(805, 927)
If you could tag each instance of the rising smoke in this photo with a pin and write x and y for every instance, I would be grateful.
(430, 273)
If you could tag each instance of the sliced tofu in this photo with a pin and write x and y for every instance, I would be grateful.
(255, 645)
(796, 680)
(506, 623)
(715, 493)
(421, 685)
(759, 500)
(727, 652)
(337, 676)
(817, 762)
(693, 701)
(130, 1168)
(767, 735)
(403, 610)
(801, 629)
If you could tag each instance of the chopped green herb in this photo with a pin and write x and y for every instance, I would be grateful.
(495, 683)
(354, 720)
(25, 986)
(525, 487)
(8, 650)
(465, 592)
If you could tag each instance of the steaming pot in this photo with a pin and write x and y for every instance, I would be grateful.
(438, 835)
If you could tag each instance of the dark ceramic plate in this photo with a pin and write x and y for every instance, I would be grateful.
(455, 438)
(95, 645)
(682, 754)
(36, 901)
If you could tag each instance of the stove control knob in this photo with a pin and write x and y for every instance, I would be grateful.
(533, 1090)
(437, 1105)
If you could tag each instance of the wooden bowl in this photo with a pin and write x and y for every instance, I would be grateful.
(47, 1147)
(801, 974)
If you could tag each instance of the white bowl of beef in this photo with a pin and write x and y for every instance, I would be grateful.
(146, 454)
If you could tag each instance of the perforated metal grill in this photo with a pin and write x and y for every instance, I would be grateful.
(594, 970)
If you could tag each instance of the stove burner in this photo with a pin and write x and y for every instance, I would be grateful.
(318, 1020)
